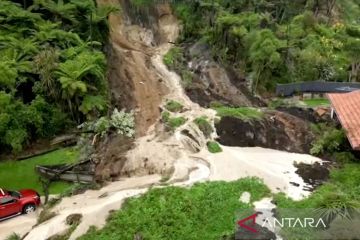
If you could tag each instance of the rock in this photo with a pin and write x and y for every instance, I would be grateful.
(276, 130)
(73, 219)
(213, 82)
(245, 197)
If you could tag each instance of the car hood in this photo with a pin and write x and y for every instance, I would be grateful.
(28, 193)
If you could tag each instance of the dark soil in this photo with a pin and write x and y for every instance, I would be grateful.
(277, 130)
(111, 157)
(314, 174)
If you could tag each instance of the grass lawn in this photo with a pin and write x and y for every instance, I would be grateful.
(16, 175)
(317, 102)
(244, 113)
(204, 211)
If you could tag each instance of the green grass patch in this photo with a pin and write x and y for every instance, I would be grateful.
(317, 102)
(174, 106)
(176, 122)
(213, 147)
(17, 175)
(204, 126)
(204, 211)
(172, 122)
(244, 113)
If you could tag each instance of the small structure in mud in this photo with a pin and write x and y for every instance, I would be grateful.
(346, 108)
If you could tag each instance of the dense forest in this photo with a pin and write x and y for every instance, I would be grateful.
(52, 67)
(278, 41)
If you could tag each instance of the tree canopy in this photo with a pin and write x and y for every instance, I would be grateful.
(278, 41)
(52, 67)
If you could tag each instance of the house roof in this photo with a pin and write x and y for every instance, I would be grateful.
(347, 108)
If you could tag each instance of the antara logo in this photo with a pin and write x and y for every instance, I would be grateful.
(273, 223)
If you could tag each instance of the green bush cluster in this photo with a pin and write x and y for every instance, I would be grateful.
(172, 122)
(329, 142)
(173, 57)
(204, 126)
(213, 147)
(174, 106)
(52, 68)
(120, 121)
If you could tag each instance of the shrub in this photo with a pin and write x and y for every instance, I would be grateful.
(174, 106)
(344, 157)
(329, 142)
(214, 147)
(204, 126)
(176, 122)
(173, 57)
(121, 121)
(13, 236)
(165, 116)
(172, 122)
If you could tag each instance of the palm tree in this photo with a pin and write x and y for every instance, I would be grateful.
(60, 9)
(74, 76)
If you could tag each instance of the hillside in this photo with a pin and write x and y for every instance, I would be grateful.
(269, 42)
(173, 110)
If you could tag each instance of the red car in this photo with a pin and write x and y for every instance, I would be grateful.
(18, 202)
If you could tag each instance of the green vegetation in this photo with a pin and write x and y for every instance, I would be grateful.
(52, 68)
(278, 41)
(172, 122)
(13, 236)
(17, 175)
(176, 122)
(317, 102)
(205, 211)
(204, 126)
(172, 58)
(174, 106)
(122, 122)
(244, 113)
(213, 147)
(329, 142)
(340, 193)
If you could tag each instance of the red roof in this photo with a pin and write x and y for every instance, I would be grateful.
(347, 108)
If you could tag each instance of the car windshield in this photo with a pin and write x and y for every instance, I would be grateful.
(14, 194)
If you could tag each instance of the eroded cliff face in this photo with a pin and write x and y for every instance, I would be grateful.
(133, 81)
(213, 82)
